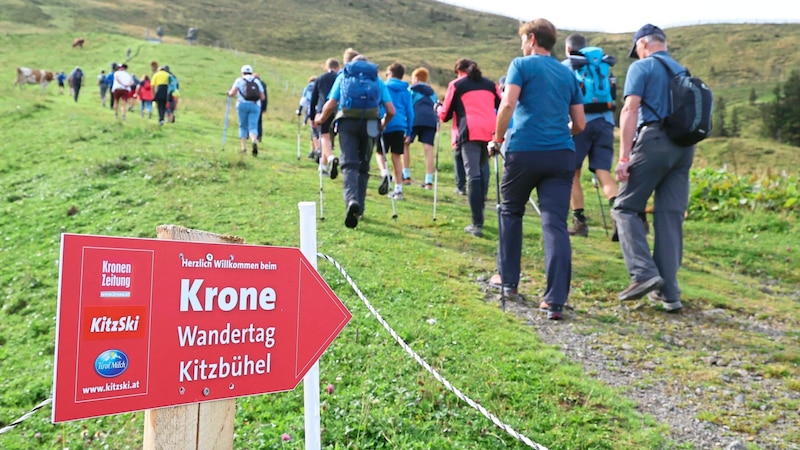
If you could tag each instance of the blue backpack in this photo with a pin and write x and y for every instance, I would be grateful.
(360, 92)
(599, 86)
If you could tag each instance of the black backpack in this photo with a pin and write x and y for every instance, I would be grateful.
(691, 107)
(251, 91)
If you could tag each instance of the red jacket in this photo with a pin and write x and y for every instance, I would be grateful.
(146, 91)
(473, 105)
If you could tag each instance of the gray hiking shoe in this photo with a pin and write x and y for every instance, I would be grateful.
(638, 289)
(396, 195)
(475, 230)
(579, 228)
(669, 306)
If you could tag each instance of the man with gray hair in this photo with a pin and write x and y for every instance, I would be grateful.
(649, 162)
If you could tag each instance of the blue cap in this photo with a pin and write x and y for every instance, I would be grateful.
(646, 30)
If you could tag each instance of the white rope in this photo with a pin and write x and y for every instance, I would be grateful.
(507, 428)
(25, 417)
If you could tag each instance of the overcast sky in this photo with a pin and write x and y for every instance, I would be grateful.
(623, 16)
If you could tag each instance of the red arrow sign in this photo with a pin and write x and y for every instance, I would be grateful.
(147, 323)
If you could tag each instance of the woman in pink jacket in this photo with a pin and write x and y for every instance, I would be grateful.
(146, 95)
(471, 101)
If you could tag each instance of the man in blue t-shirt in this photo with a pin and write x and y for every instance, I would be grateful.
(649, 162)
(356, 141)
(547, 106)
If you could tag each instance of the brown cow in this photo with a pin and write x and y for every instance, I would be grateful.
(78, 42)
(26, 75)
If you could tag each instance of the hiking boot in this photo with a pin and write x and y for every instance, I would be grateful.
(427, 186)
(475, 230)
(460, 191)
(407, 181)
(553, 312)
(579, 228)
(384, 187)
(255, 149)
(312, 154)
(669, 306)
(334, 168)
(511, 293)
(351, 219)
(638, 289)
(396, 195)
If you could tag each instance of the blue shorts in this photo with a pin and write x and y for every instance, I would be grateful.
(596, 142)
(426, 134)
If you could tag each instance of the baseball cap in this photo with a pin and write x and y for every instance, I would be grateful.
(247, 69)
(646, 30)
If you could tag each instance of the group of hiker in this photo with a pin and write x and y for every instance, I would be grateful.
(124, 88)
(544, 118)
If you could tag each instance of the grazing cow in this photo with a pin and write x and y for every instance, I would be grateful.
(26, 75)
(78, 42)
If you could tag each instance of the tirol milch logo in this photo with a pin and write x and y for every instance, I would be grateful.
(111, 363)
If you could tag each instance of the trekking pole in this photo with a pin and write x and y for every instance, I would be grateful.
(499, 230)
(391, 196)
(321, 198)
(225, 126)
(298, 138)
(600, 201)
(533, 203)
(436, 171)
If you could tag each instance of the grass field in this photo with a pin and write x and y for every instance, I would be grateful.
(70, 167)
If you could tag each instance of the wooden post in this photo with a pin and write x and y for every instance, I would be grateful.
(197, 426)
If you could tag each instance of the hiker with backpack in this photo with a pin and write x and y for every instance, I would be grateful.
(593, 70)
(355, 98)
(160, 84)
(328, 163)
(425, 124)
(546, 102)
(264, 104)
(305, 105)
(473, 96)
(249, 94)
(173, 95)
(76, 80)
(121, 89)
(651, 162)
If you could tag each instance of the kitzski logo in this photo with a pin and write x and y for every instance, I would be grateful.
(124, 324)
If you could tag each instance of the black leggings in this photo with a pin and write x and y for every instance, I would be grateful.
(161, 101)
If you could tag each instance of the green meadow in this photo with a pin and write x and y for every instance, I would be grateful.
(69, 167)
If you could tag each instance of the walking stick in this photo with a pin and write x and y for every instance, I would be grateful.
(225, 126)
(387, 158)
(599, 200)
(436, 171)
(298, 138)
(499, 230)
(321, 198)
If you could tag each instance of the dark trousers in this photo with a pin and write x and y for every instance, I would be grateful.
(355, 146)
(551, 174)
(657, 166)
(476, 157)
(461, 174)
(161, 98)
(76, 88)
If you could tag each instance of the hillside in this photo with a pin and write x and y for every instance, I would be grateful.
(733, 59)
